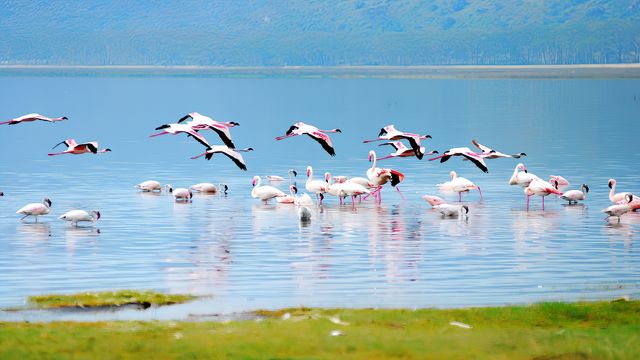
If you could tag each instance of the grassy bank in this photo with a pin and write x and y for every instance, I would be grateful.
(144, 299)
(597, 330)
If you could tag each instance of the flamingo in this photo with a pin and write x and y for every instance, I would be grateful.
(619, 209)
(521, 176)
(313, 132)
(403, 151)
(433, 200)
(305, 199)
(233, 154)
(76, 216)
(459, 184)
(317, 187)
(201, 122)
(559, 179)
(35, 209)
(179, 194)
(573, 196)
(465, 152)
(619, 197)
(489, 153)
(389, 132)
(209, 188)
(340, 179)
(379, 177)
(77, 149)
(287, 199)
(352, 189)
(175, 129)
(451, 210)
(264, 192)
(149, 185)
(541, 188)
(332, 186)
(32, 117)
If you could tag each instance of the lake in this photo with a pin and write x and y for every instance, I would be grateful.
(246, 255)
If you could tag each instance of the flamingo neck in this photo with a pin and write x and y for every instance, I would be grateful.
(612, 192)
(375, 160)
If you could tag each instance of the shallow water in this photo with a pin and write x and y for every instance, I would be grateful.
(247, 255)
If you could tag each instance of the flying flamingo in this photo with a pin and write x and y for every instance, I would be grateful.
(233, 154)
(180, 194)
(77, 149)
(619, 209)
(573, 196)
(264, 192)
(201, 122)
(489, 153)
(389, 132)
(35, 209)
(465, 152)
(403, 151)
(313, 132)
(317, 187)
(541, 188)
(175, 129)
(32, 117)
(379, 177)
(149, 185)
(459, 184)
(76, 216)
(452, 210)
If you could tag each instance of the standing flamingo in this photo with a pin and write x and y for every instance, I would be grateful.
(313, 132)
(521, 176)
(616, 197)
(317, 187)
(32, 117)
(379, 177)
(389, 132)
(459, 184)
(352, 189)
(76, 216)
(264, 192)
(201, 122)
(573, 196)
(35, 209)
(541, 188)
(619, 209)
(77, 149)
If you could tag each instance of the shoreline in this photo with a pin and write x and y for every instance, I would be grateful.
(580, 71)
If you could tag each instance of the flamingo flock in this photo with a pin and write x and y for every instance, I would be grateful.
(359, 187)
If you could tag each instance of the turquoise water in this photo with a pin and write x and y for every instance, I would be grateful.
(248, 255)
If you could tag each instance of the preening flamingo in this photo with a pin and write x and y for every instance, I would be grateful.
(452, 210)
(389, 132)
(201, 122)
(77, 149)
(76, 216)
(313, 132)
(521, 176)
(35, 209)
(32, 117)
(559, 179)
(541, 188)
(304, 199)
(573, 196)
(233, 154)
(459, 184)
(465, 152)
(264, 192)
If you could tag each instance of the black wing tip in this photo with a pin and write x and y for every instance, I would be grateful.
(162, 127)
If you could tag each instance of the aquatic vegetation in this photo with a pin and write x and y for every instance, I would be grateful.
(549, 330)
(107, 299)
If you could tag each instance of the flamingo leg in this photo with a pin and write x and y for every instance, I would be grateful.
(158, 134)
(60, 153)
(460, 197)
(386, 157)
(284, 137)
(24, 217)
(527, 202)
(340, 199)
(353, 202)
(379, 194)
(321, 198)
(543, 203)
(368, 141)
(400, 192)
(480, 192)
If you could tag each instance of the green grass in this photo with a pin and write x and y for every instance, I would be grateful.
(600, 330)
(107, 299)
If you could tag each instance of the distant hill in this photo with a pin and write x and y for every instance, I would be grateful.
(322, 33)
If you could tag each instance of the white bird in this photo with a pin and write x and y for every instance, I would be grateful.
(304, 199)
(541, 188)
(317, 187)
(452, 210)
(466, 153)
(489, 153)
(459, 184)
(573, 196)
(201, 122)
(521, 176)
(619, 209)
(433, 200)
(209, 188)
(32, 117)
(179, 194)
(313, 132)
(149, 185)
(175, 129)
(233, 154)
(352, 189)
(264, 192)
(616, 197)
(361, 181)
(76, 216)
(35, 209)
(379, 177)
(278, 178)
(559, 179)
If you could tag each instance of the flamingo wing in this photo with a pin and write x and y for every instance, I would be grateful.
(292, 128)
(485, 149)
(188, 116)
(237, 159)
(478, 161)
(324, 140)
(224, 134)
(199, 138)
(396, 177)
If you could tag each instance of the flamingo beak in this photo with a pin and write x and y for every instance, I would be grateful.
(295, 173)
(98, 215)
(610, 186)
(253, 182)
(308, 173)
(369, 158)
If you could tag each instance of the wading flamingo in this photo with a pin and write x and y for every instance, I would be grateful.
(317, 187)
(149, 185)
(459, 184)
(264, 192)
(179, 194)
(541, 188)
(573, 196)
(619, 209)
(433, 200)
(76, 216)
(452, 210)
(209, 188)
(35, 209)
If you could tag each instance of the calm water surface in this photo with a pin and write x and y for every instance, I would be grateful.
(247, 255)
